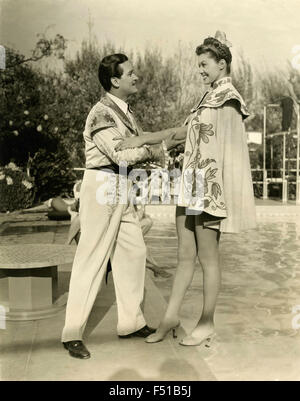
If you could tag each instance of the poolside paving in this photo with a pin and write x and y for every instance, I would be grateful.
(256, 318)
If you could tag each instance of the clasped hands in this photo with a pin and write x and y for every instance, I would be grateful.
(171, 141)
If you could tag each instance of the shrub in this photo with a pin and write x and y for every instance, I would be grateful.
(17, 190)
(52, 173)
(43, 110)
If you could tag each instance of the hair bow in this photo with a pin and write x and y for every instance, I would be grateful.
(221, 36)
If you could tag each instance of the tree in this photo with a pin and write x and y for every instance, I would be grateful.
(43, 48)
(26, 127)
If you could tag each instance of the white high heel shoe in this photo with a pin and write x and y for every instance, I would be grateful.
(192, 341)
(159, 336)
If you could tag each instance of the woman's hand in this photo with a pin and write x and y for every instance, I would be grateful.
(127, 143)
(181, 134)
(174, 139)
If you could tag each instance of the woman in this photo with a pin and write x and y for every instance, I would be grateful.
(216, 156)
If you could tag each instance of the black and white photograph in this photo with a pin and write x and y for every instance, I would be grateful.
(149, 193)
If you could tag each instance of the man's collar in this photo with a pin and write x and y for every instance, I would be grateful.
(108, 101)
(119, 102)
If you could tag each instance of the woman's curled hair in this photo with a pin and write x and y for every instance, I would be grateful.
(217, 50)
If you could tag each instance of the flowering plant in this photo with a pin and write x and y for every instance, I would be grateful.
(17, 190)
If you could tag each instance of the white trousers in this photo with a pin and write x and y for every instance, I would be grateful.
(106, 232)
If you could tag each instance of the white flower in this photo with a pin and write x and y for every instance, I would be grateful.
(39, 128)
(46, 117)
(11, 123)
(55, 129)
(26, 112)
(16, 133)
(27, 123)
(27, 184)
(12, 166)
(9, 180)
(2, 176)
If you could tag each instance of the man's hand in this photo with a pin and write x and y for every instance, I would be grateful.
(173, 140)
(127, 143)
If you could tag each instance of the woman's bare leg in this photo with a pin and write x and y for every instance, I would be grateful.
(208, 254)
(187, 254)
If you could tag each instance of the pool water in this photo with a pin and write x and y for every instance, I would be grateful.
(258, 311)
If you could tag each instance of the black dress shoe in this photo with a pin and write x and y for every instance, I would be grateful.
(143, 332)
(77, 349)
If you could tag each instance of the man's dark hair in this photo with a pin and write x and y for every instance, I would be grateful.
(109, 68)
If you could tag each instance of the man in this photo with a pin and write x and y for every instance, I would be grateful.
(109, 231)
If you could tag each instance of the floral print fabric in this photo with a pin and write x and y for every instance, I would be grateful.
(216, 174)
